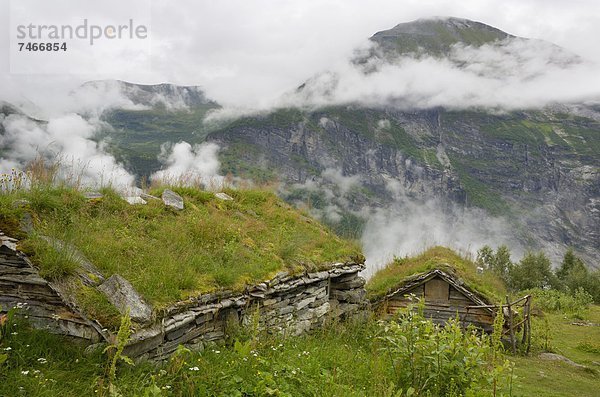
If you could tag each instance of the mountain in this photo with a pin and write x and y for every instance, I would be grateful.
(435, 36)
(538, 169)
(168, 96)
(152, 115)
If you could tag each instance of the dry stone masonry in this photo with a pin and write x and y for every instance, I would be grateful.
(40, 300)
(289, 304)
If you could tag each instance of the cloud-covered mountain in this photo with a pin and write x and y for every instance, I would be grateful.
(441, 131)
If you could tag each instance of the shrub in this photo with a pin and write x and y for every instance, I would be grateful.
(430, 359)
(562, 302)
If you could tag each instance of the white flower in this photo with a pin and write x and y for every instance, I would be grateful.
(42, 360)
(7, 349)
(24, 372)
(217, 351)
(194, 369)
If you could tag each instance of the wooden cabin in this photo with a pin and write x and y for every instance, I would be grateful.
(445, 297)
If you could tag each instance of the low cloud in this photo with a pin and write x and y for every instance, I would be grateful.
(404, 226)
(512, 74)
(409, 227)
(190, 165)
(67, 141)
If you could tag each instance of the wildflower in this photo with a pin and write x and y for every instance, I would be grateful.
(24, 372)
(194, 369)
(14, 333)
(42, 360)
(7, 349)
(217, 351)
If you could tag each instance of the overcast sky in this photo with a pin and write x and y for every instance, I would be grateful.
(251, 51)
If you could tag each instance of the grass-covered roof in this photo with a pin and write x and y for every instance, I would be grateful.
(171, 255)
(400, 270)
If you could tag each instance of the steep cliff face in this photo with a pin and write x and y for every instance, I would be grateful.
(537, 169)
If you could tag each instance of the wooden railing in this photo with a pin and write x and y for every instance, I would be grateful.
(512, 327)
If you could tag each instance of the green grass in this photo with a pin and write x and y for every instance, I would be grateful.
(388, 279)
(349, 359)
(170, 256)
(338, 360)
(537, 377)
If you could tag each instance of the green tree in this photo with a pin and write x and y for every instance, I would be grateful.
(485, 256)
(498, 262)
(533, 271)
(569, 264)
(574, 274)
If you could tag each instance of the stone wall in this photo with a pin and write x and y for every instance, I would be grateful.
(39, 300)
(288, 304)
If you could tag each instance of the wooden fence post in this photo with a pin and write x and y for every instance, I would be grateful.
(510, 326)
(528, 303)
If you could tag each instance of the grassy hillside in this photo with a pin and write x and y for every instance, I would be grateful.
(387, 279)
(171, 255)
(136, 136)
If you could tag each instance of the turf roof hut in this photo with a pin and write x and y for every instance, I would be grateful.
(184, 273)
(445, 296)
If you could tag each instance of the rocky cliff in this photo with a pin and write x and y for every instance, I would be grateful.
(538, 168)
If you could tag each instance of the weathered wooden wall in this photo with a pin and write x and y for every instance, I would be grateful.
(442, 302)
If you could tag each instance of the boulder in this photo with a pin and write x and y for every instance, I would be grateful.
(26, 223)
(124, 297)
(134, 200)
(147, 196)
(223, 196)
(558, 357)
(172, 199)
(20, 203)
(93, 195)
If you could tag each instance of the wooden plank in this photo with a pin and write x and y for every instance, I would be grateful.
(437, 289)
